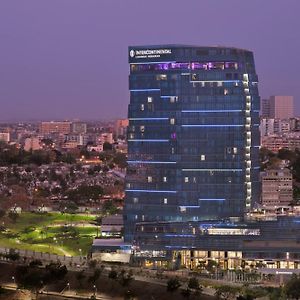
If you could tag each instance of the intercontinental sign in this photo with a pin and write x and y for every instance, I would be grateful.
(149, 53)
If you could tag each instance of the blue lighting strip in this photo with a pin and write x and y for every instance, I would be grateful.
(150, 141)
(210, 111)
(167, 96)
(224, 125)
(216, 80)
(189, 206)
(151, 191)
(179, 235)
(147, 119)
(145, 90)
(150, 162)
(176, 247)
(212, 170)
(212, 199)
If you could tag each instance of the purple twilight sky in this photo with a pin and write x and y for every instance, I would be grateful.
(64, 59)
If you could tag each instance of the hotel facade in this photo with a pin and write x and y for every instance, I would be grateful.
(193, 158)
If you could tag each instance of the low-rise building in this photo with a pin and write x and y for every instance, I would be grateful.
(32, 144)
(5, 137)
(277, 187)
(112, 226)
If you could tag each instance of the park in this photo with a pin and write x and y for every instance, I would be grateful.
(55, 232)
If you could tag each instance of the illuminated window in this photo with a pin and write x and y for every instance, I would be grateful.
(172, 150)
(142, 107)
(161, 77)
(234, 150)
(164, 179)
(150, 99)
(186, 179)
(172, 121)
(135, 200)
(202, 157)
(173, 99)
(149, 178)
(165, 200)
(142, 128)
(182, 209)
(226, 91)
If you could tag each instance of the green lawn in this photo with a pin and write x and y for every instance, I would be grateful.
(51, 232)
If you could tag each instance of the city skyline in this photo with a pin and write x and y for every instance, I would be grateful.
(75, 67)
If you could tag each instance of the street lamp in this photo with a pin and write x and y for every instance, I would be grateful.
(80, 253)
(68, 285)
(95, 290)
(14, 279)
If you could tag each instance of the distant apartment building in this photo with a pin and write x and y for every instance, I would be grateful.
(270, 126)
(32, 144)
(47, 128)
(98, 148)
(106, 138)
(276, 142)
(74, 138)
(5, 137)
(281, 107)
(79, 128)
(295, 124)
(277, 187)
(121, 127)
(265, 108)
(277, 107)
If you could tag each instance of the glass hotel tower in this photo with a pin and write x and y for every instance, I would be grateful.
(193, 135)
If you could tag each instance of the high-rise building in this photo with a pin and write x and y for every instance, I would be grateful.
(193, 134)
(281, 107)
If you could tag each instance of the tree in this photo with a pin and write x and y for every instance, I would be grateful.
(286, 154)
(55, 271)
(226, 292)
(13, 255)
(292, 287)
(80, 276)
(120, 160)
(2, 213)
(125, 277)
(173, 284)
(112, 274)
(109, 207)
(194, 284)
(35, 263)
(186, 293)
(13, 216)
(95, 276)
(107, 146)
(29, 277)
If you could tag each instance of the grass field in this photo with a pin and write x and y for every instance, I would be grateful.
(63, 234)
